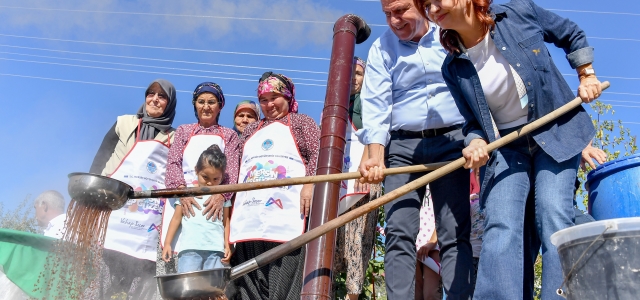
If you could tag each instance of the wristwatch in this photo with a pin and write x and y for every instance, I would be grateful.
(586, 72)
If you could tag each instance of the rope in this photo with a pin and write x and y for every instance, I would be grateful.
(559, 291)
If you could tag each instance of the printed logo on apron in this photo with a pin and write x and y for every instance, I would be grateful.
(353, 155)
(133, 229)
(192, 151)
(271, 214)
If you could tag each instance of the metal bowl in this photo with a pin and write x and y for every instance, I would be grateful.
(203, 284)
(99, 191)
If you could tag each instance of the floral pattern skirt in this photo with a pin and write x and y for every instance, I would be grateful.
(354, 245)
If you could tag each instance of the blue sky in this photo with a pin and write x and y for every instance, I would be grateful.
(69, 68)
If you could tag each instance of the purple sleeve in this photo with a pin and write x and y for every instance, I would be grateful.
(175, 176)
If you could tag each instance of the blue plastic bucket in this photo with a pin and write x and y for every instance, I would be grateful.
(601, 260)
(614, 189)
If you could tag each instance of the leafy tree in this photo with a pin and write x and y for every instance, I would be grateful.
(615, 140)
(623, 144)
(22, 218)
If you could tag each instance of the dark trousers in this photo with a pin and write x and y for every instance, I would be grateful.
(450, 195)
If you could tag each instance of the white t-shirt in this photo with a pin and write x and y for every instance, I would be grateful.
(500, 83)
(55, 228)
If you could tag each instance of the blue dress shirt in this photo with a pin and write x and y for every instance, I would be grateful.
(404, 89)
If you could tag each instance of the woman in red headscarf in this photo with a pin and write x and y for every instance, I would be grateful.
(283, 144)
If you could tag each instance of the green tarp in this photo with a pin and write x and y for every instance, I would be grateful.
(23, 256)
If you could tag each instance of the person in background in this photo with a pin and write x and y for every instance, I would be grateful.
(205, 243)
(355, 240)
(50, 215)
(246, 112)
(589, 154)
(135, 151)
(501, 76)
(477, 222)
(428, 281)
(283, 144)
(409, 118)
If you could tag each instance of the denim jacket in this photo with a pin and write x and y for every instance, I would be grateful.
(520, 32)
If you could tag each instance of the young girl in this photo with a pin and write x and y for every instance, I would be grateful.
(205, 242)
(428, 282)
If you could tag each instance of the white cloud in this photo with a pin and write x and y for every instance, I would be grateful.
(82, 25)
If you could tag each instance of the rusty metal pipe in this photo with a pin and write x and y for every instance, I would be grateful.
(347, 31)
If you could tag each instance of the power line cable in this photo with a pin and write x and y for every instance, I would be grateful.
(606, 76)
(593, 12)
(619, 93)
(141, 71)
(147, 66)
(175, 15)
(217, 77)
(162, 60)
(630, 106)
(618, 101)
(267, 19)
(203, 50)
(125, 86)
(164, 48)
(557, 9)
(233, 66)
(612, 39)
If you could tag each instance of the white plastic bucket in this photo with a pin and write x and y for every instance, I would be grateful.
(603, 264)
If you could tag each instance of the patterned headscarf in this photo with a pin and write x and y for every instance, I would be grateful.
(207, 87)
(278, 83)
(152, 126)
(359, 61)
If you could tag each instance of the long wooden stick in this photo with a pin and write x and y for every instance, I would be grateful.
(303, 239)
(229, 188)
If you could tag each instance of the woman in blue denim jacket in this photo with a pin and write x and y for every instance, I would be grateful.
(502, 77)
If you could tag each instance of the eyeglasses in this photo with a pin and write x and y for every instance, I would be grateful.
(210, 102)
(161, 96)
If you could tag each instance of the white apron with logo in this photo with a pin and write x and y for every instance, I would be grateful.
(192, 151)
(269, 214)
(133, 229)
(353, 155)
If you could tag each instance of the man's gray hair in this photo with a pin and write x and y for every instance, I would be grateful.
(52, 198)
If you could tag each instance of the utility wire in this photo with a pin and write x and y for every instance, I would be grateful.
(174, 15)
(593, 12)
(162, 60)
(147, 66)
(164, 48)
(125, 86)
(212, 64)
(618, 101)
(612, 39)
(605, 76)
(557, 9)
(141, 71)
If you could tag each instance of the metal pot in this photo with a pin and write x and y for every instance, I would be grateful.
(194, 285)
(98, 191)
